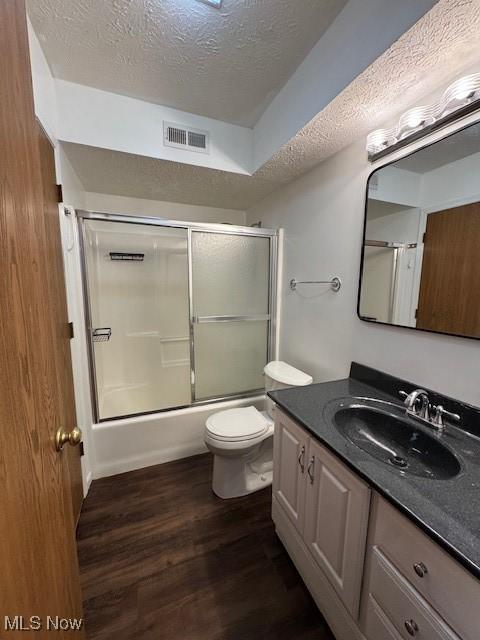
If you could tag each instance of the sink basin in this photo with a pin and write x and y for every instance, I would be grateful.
(395, 440)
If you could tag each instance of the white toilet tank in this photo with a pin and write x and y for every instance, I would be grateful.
(280, 375)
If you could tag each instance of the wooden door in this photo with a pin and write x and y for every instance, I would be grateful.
(290, 459)
(450, 282)
(56, 283)
(39, 567)
(337, 509)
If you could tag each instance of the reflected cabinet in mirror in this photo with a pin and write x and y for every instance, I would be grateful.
(421, 249)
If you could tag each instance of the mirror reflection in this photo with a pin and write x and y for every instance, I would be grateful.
(421, 254)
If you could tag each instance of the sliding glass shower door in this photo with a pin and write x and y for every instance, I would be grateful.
(139, 305)
(176, 314)
(231, 275)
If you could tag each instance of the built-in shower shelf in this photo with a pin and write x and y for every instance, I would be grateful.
(129, 257)
(101, 334)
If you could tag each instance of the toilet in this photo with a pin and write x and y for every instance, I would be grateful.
(241, 439)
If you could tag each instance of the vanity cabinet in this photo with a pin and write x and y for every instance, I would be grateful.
(336, 518)
(290, 454)
(373, 573)
(327, 504)
(430, 587)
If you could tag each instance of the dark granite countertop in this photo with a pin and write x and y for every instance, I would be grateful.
(447, 509)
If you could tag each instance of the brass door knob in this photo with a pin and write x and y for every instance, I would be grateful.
(73, 437)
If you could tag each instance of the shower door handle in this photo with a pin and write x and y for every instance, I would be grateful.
(253, 318)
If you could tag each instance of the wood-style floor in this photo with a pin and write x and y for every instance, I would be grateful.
(163, 558)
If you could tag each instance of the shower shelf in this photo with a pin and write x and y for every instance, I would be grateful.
(122, 255)
(102, 334)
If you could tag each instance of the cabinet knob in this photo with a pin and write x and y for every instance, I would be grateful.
(411, 626)
(420, 569)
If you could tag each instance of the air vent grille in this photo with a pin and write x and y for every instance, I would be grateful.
(198, 140)
(176, 135)
(182, 137)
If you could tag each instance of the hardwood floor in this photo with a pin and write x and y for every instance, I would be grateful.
(163, 558)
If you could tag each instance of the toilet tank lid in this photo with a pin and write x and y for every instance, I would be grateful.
(286, 374)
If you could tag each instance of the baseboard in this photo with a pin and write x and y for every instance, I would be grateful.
(150, 459)
(88, 482)
(326, 598)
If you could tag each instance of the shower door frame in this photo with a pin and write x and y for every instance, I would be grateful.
(190, 227)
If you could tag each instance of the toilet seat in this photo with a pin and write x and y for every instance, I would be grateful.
(236, 425)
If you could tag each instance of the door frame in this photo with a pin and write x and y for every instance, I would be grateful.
(190, 227)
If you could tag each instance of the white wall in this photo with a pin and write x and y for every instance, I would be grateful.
(393, 184)
(43, 86)
(106, 203)
(102, 119)
(322, 213)
(453, 184)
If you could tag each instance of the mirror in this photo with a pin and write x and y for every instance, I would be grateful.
(421, 250)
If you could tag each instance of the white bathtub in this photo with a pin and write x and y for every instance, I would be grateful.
(134, 443)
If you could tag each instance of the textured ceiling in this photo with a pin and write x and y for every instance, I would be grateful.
(462, 144)
(125, 174)
(223, 63)
(436, 49)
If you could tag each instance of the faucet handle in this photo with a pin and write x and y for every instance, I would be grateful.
(440, 412)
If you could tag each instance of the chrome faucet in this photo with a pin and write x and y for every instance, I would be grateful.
(418, 406)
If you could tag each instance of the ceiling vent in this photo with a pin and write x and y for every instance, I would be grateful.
(182, 137)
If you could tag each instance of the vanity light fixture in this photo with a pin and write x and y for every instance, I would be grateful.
(459, 99)
(214, 3)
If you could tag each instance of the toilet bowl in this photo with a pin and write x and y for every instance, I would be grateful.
(241, 440)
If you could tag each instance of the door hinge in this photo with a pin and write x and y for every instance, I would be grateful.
(71, 333)
(416, 313)
(424, 239)
(59, 193)
(82, 450)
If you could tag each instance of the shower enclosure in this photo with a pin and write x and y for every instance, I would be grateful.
(177, 313)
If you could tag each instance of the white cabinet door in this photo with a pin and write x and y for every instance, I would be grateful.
(337, 510)
(290, 455)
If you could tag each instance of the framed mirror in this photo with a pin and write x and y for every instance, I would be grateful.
(420, 263)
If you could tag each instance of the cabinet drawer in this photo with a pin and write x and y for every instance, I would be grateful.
(392, 599)
(378, 626)
(445, 584)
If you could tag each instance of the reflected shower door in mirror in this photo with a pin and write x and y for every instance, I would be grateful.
(139, 308)
(421, 249)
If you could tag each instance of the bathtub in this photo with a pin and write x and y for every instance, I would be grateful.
(135, 442)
